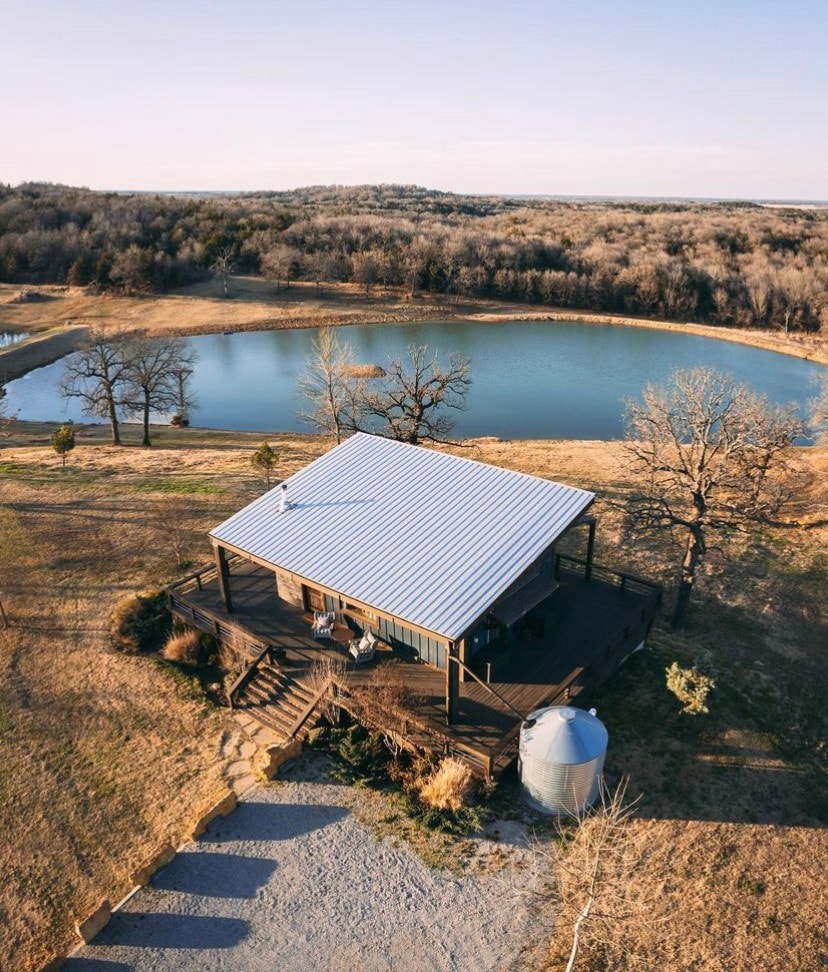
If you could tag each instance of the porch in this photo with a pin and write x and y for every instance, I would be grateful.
(570, 642)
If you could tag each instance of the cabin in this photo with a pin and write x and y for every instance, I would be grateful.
(449, 565)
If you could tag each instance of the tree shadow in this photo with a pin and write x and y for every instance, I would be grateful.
(215, 875)
(160, 930)
(730, 766)
(273, 821)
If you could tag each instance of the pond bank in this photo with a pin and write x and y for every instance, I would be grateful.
(255, 305)
(38, 350)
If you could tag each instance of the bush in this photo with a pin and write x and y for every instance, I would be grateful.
(184, 647)
(448, 787)
(140, 623)
(460, 822)
(362, 758)
(692, 686)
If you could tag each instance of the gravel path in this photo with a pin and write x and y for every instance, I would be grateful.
(291, 880)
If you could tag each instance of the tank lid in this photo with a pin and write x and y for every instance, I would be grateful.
(563, 734)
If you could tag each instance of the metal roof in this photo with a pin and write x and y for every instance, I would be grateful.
(426, 537)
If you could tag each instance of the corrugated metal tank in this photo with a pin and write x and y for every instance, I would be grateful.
(561, 758)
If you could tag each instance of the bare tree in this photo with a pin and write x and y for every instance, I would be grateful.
(97, 375)
(156, 371)
(819, 410)
(5, 419)
(365, 270)
(332, 391)
(409, 402)
(171, 521)
(222, 268)
(711, 455)
(278, 264)
(603, 906)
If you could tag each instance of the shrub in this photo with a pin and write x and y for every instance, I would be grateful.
(362, 757)
(184, 647)
(140, 623)
(448, 787)
(63, 441)
(460, 822)
(692, 686)
(264, 459)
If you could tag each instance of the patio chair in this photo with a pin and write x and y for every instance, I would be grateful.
(323, 624)
(363, 649)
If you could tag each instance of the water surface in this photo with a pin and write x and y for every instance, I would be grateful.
(532, 379)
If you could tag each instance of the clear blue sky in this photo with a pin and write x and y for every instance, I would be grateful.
(619, 98)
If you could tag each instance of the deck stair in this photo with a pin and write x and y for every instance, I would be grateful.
(275, 699)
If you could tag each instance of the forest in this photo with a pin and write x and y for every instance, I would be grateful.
(732, 264)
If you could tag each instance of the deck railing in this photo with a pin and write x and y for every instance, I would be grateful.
(617, 578)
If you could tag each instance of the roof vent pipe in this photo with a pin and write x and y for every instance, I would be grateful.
(284, 506)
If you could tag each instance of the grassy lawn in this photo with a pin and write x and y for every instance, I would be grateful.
(101, 755)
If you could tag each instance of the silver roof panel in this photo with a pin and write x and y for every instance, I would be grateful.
(426, 537)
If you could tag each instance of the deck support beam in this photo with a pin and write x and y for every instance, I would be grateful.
(590, 550)
(223, 571)
(452, 684)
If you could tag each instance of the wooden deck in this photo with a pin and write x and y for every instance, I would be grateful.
(582, 632)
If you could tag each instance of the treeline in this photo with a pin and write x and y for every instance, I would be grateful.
(730, 264)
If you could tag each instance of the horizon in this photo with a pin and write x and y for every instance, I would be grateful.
(607, 101)
(563, 197)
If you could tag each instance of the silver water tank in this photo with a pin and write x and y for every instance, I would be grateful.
(561, 758)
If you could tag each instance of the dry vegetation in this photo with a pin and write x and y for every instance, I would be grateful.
(728, 263)
(101, 754)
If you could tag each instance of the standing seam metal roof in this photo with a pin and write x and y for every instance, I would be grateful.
(426, 537)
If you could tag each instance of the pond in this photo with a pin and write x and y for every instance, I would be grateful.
(531, 379)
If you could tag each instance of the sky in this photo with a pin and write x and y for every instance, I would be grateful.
(706, 99)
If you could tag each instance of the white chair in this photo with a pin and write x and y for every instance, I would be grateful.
(363, 649)
(323, 624)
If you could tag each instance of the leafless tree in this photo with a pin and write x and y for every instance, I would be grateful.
(5, 419)
(710, 456)
(409, 402)
(278, 264)
(365, 270)
(603, 905)
(97, 376)
(222, 268)
(332, 392)
(171, 521)
(819, 409)
(155, 371)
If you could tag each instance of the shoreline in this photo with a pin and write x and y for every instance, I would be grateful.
(255, 306)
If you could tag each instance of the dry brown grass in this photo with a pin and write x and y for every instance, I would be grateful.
(449, 786)
(183, 646)
(254, 304)
(102, 754)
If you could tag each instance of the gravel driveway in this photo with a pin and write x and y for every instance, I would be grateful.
(291, 880)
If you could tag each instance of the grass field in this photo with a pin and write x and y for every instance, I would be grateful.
(102, 755)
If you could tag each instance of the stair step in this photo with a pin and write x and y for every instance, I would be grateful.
(269, 717)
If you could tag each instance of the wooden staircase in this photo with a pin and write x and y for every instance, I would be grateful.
(276, 700)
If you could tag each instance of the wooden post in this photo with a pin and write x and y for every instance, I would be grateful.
(590, 550)
(452, 684)
(223, 578)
